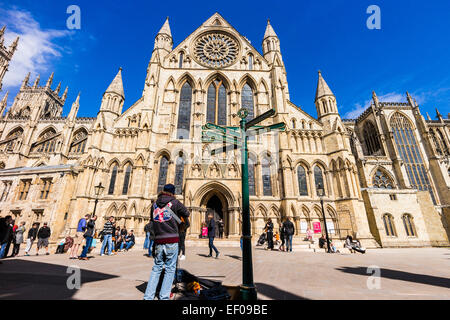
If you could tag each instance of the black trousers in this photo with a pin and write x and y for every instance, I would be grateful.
(270, 240)
(182, 243)
(16, 249)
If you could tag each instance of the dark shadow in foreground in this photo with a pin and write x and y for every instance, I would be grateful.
(276, 293)
(401, 275)
(234, 257)
(31, 280)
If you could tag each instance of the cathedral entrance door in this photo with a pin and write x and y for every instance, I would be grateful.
(216, 205)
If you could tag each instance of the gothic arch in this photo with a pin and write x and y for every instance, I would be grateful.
(218, 186)
(112, 162)
(112, 210)
(247, 78)
(304, 163)
(402, 114)
(127, 162)
(186, 77)
(161, 153)
(218, 74)
(385, 172)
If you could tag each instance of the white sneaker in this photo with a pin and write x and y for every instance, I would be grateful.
(182, 257)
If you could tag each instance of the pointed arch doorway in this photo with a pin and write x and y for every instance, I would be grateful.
(215, 203)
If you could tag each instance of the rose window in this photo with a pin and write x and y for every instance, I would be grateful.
(216, 50)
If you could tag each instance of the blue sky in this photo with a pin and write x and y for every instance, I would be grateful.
(409, 53)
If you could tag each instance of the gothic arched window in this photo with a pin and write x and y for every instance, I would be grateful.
(302, 182)
(439, 142)
(180, 63)
(112, 182)
(179, 174)
(371, 139)
(409, 225)
(408, 150)
(163, 167)
(217, 103)
(389, 226)
(266, 177)
(46, 142)
(318, 179)
(250, 62)
(79, 142)
(247, 101)
(382, 181)
(126, 180)
(184, 112)
(11, 139)
(251, 176)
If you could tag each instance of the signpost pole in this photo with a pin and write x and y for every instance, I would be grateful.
(248, 290)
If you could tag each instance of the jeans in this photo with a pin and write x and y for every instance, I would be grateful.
(107, 238)
(3, 250)
(86, 247)
(288, 243)
(150, 248)
(212, 247)
(165, 257)
(127, 244)
(147, 240)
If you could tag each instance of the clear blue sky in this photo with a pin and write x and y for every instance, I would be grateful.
(409, 53)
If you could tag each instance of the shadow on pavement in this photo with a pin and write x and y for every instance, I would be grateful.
(276, 293)
(234, 257)
(402, 275)
(31, 280)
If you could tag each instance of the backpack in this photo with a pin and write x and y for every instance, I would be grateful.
(164, 214)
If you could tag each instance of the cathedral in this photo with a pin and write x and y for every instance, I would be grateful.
(384, 177)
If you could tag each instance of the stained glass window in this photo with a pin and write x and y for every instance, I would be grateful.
(389, 226)
(179, 173)
(112, 182)
(382, 181)
(163, 166)
(217, 103)
(302, 183)
(184, 112)
(371, 139)
(247, 101)
(408, 150)
(318, 179)
(266, 177)
(126, 180)
(409, 226)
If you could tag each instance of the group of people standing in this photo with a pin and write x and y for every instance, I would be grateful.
(12, 234)
(286, 233)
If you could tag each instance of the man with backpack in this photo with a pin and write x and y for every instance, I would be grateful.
(89, 236)
(288, 230)
(166, 215)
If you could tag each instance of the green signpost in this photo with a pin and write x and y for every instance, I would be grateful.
(237, 138)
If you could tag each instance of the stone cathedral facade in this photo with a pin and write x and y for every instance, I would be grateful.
(385, 175)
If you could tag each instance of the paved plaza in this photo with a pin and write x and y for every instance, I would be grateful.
(405, 274)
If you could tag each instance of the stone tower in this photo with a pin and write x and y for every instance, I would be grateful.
(6, 54)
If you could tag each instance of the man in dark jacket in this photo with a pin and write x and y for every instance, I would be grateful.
(5, 234)
(43, 237)
(89, 236)
(289, 231)
(32, 234)
(211, 236)
(166, 215)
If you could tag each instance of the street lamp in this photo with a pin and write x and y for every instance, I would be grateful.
(98, 191)
(321, 193)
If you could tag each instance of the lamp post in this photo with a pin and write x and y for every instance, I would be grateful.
(321, 192)
(98, 191)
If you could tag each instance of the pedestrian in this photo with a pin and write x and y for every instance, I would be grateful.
(269, 230)
(289, 231)
(211, 236)
(204, 230)
(221, 228)
(89, 236)
(151, 237)
(32, 234)
(147, 237)
(165, 213)
(309, 234)
(322, 241)
(44, 234)
(79, 236)
(6, 231)
(108, 230)
(115, 239)
(283, 238)
(18, 238)
(128, 242)
(182, 233)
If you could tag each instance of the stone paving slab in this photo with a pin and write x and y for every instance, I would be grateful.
(405, 274)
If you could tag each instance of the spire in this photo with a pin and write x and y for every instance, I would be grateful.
(74, 110)
(13, 46)
(50, 80)
(25, 81)
(3, 104)
(322, 88)
(438, 114)
(165, 29)
(116, 85)
(428, 117)
(269, 31)
(36, 82)
(64, 97)
(58, 88)
(2, 31)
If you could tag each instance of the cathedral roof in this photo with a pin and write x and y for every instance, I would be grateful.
(269, 31)
(166, 28)
(322, 88)
(116, 85)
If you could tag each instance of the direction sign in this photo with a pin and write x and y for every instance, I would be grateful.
(257, 131)
(260, 118)
(217, 137)
(223, 130)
